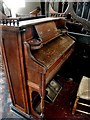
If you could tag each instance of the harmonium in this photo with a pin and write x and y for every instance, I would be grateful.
(33, 52)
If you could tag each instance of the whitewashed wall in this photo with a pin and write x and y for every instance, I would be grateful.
(29, 6)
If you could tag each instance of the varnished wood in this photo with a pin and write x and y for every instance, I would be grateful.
(75, 105)
(30, 67)
(12, 53)
(44, 63)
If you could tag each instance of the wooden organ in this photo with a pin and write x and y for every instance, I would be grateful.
(33, 52)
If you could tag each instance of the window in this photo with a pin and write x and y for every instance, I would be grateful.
(14, 5)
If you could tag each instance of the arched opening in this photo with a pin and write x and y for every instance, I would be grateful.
(36, 100)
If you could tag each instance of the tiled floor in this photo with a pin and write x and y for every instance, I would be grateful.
(5, 100)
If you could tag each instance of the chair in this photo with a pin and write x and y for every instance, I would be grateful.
(79, 13)
(83, 93)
